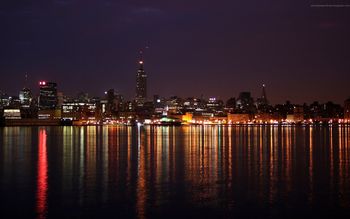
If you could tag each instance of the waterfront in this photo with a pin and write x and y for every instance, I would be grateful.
(175, 172)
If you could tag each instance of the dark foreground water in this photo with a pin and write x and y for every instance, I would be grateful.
(175, 172)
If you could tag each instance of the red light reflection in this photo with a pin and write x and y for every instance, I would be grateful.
(41, 205)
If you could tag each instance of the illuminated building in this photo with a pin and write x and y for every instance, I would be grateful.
(4, 99)
(25, 97)
(83, 97)
(79, 110)
(48, 95)
(331, 110)
(12, 113)
(263, 96)
(262, 102)
(60, 99)
(112, 103)
(187, 117)
(141, 83)
(315, 110)
(156, 100)
(237, 118)
(347, 109)
(214, 104)
(245, 103)
(298, 114)
(194, 104)
(174, 105)
(158, 104)
(231, 104)
(27, 104)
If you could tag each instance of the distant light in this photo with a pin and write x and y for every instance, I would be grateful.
(105, 92)
(141, 62)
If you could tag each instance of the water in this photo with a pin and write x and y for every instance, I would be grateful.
(175, 172)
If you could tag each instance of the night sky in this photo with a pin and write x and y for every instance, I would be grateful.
(214, 48)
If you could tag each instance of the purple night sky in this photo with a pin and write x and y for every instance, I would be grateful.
(214, 48)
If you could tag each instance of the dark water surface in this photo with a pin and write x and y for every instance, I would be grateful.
(175, 172)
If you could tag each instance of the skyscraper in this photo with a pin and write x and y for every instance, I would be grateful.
(141, 83)
(347, 109)
(48, 95)
(263, 96)
(245, 103)
(262, 102)
(25, 96)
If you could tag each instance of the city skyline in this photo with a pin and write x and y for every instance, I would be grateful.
(141, 92)
(174, 109)
(197, 48)
(256, 92)
(35, 90)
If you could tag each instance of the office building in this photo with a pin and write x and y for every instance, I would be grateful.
(245, 103)
(48, 95)
(347, 109)
(262, 103)
(141, 83)
(25, 97)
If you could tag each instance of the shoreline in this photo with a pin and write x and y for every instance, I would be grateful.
(174, 125)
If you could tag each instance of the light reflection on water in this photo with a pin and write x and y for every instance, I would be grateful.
(142, 172)
(41, 202)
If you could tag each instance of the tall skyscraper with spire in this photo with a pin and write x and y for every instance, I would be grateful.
(263, 95)
(262, 102)
(141, 82)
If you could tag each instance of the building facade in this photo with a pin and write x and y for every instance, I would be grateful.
(141, 84)
(347, 109)
(48, 95)
(25, 97)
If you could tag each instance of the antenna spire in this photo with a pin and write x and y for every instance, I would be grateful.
(26, 79)
(141, 54)
(141, 58)
(263, 92)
